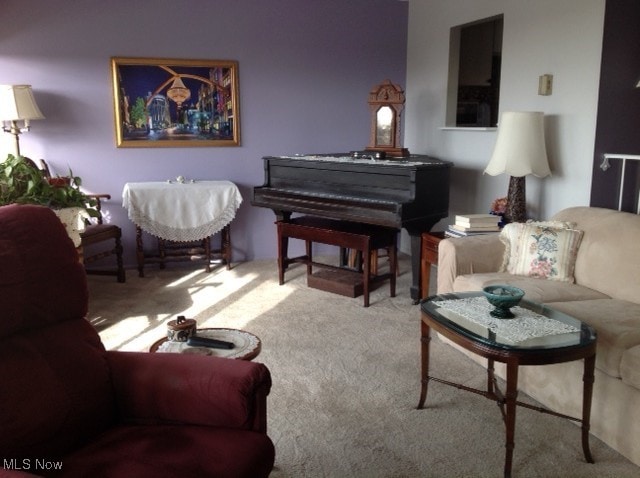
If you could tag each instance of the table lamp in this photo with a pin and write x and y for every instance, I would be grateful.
(17, 104)
(520, 150)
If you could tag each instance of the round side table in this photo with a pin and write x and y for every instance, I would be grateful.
(247, 345)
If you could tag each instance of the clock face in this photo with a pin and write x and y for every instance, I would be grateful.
(384, 126)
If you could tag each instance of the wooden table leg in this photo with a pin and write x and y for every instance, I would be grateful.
(425, 338)
(587, 393)
(161, 252)
(429, 243)
(206, 242)
(225, 245)
(425, 276)
(491, 378)
(139, 251)
(510, 417)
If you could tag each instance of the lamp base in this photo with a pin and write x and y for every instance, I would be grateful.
(15, 131)
(516, 210)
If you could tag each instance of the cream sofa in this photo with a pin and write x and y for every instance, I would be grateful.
(605, 295)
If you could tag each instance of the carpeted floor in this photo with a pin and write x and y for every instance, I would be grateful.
(346, 378)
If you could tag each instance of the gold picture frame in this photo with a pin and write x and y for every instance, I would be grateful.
(161, 102)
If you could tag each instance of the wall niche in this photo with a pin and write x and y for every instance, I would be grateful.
(474, 73)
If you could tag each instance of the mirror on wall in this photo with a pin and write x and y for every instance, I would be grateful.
(474, 73)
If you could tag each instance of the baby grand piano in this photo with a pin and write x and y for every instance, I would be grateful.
(410, 192)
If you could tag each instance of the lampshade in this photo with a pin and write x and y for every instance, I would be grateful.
(520, 148)
(17, 103)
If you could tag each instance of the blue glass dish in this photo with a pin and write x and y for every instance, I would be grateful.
(503, 297)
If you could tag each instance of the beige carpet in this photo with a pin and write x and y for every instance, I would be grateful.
(346, 378)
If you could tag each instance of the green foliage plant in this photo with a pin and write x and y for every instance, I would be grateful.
(23, 183)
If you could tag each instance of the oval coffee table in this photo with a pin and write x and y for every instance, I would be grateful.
(538, 335)
(247, 345)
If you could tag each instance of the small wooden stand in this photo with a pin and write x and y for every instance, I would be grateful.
(428, 256)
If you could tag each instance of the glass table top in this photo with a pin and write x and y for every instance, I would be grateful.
(535, 326)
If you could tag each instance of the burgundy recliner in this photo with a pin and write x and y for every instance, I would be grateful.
(70, 408)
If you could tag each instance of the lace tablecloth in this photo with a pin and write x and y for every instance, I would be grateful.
(524, 326)
(181, 212)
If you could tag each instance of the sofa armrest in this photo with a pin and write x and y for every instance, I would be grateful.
(467, 255)
(195, 389)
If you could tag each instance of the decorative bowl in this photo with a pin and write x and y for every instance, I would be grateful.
(503, 297)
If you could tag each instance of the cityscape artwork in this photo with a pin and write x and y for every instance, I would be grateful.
(169, 102)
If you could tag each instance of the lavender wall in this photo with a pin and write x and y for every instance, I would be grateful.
(305, 70)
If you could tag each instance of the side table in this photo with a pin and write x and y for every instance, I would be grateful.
(428, 256)
(247, 345)
(181, 213)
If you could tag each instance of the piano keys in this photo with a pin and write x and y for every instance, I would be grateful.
(410, 193)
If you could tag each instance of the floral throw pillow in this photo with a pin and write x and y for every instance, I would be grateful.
(544, 250)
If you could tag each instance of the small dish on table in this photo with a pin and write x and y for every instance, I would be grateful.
(503, 298)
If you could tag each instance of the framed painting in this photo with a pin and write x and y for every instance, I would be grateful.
(175, 103)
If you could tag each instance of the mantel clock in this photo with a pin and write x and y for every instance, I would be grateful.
(386, 102)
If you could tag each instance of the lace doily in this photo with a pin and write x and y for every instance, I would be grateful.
(524, 326)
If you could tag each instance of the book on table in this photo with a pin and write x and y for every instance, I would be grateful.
(483, 228)
(477, 220)
(473, 224)
(452, 232)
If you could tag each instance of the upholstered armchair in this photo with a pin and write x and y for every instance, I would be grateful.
(70, 408)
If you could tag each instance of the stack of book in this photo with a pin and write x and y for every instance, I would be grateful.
(473, 224)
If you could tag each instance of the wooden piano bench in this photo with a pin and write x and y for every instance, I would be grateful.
(364, 238)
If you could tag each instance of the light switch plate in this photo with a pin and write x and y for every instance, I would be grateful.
(545, 85)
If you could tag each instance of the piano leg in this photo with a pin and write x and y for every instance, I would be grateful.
(283, 245)
(283, 251)
(308, 245)
(415, 267)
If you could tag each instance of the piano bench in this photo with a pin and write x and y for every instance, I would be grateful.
(365, 238)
